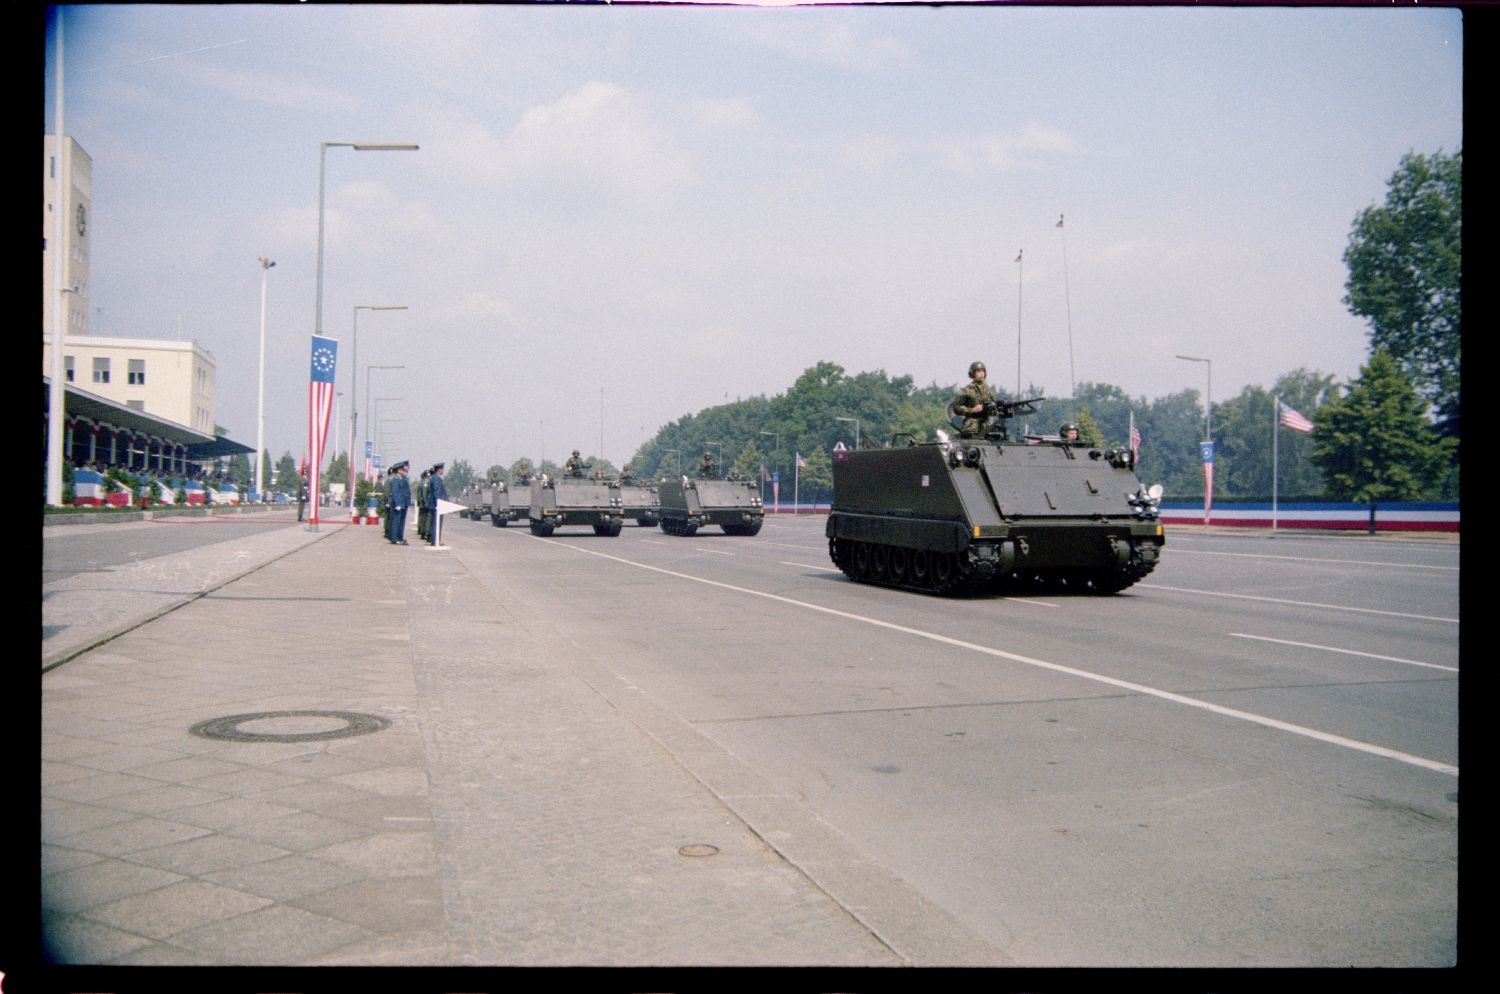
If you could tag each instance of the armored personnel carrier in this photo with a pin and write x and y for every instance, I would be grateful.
(963, 514)
(509, 503)
(642, 503)
(689, 504)
(474, 500)
(575, 501)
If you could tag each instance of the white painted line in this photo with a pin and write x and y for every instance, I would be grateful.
(1347, 652)
(824, 569)
(1165, 695)
(1313, 559)
(717, 552)
(1283, 600)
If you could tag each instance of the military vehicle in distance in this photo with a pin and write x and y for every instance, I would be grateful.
(642, 503)
(963, 514)
(475, 499)
(689, 504)
(507, 505)
(575, 501)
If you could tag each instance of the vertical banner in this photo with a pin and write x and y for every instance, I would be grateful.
(1207, 449)
(319, 407)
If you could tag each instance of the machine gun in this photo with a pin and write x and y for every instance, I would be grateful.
(995, 415)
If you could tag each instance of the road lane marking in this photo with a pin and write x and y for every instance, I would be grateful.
(1284, 600)
(1348, 652)
(717, 552)
(824, 569)
(1165, 695)
(1312, 559)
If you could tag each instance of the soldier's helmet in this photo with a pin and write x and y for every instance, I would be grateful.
(1067, 429)
(975, 367)
(575, 452)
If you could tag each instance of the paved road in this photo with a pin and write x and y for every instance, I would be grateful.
(1249, 759)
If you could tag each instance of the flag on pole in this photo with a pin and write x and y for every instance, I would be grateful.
(319, 407)
(1291, 419)
(1207, 450)
(1059, 220)
(1018, 255)
(1135, 440)
(764, 474)
(801, 463)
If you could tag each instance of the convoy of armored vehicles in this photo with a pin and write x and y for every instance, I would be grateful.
(967, 512)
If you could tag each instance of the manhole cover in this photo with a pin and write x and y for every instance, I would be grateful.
(289, 726)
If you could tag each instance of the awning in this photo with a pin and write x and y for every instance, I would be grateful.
(81, 404)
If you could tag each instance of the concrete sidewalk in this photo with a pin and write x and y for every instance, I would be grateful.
(405, 772)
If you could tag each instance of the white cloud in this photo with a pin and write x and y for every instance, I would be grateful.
(836, 44)
(1029, 148)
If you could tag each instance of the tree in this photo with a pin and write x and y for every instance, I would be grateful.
(521, 469)
(497, 472)
(1374, 444)
(814, 481)
(1088, 429)
(457, 475)
(286, 472)
(1404, 260)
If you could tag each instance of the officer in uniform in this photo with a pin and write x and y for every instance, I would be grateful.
(424, 516)
(1068, 433)
(627, 475)
(436, 490)
(976, 402)
(399, 503)
(574, 466)
(706, 468)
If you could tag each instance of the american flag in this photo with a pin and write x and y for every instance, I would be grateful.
(1291, 419)
(319, 407)
(764, 474)
(1135, 440)
(1018, 255)
(1059, 220)
(801, 463)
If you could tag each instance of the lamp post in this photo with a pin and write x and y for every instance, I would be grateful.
(260, 402)
(856, 430)
(1208, 445)
(376, 421)
(776, 461)
(354, 401)
(323, 148)
(368, 392)
(1208, 407)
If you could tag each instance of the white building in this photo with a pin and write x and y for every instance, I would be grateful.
(172, 380)
(67, 179)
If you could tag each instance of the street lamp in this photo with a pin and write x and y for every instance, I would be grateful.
(354, 376)
(376, 423)
(856, 430)
(1208, 406)
(775, 462)
(260, 403)
(323, 148)
(368, 391)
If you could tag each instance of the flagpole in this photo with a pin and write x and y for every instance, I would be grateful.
(1019, 267)
(1068, 302)
(1275, 453)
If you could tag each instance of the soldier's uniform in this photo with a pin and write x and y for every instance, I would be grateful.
(424, 513)
(574, 465)
(977, 393)
(706, 468)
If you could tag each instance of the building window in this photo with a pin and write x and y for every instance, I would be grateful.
(101, 370)
(68, 368)
(137, 374)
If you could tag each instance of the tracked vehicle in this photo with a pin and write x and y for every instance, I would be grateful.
(574, 501)
(642, 503)
(507, 505)
(688, 504)
(964, 514)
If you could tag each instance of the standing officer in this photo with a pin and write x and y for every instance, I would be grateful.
(399, 501)
(436, 490)
(424, 516)
(976, 402)
(706, 468)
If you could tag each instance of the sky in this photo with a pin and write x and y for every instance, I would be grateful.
(620, 215)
